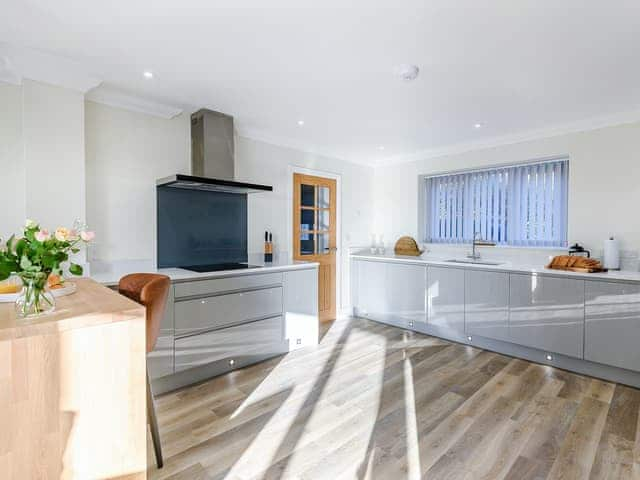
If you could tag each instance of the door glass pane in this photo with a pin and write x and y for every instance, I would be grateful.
(307, 245)
(323, 219)
(307, 220)
(308, 195)
(323, 197)
(323, 243)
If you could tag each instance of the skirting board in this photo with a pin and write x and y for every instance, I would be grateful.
(584, 367)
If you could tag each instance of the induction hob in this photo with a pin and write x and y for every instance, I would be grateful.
(218, 267)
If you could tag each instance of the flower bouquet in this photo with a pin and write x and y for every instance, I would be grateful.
(36, 258)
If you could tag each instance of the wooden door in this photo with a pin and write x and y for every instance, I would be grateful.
(314, 234)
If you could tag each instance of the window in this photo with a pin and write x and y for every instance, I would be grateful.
(522, 205)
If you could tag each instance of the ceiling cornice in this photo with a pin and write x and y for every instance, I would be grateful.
(20, 62)
(594, 123)
(261, 136)
(114, 97)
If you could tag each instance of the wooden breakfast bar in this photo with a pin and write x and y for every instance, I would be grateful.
(72, 389)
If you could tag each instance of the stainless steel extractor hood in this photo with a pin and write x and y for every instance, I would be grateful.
(212, 157)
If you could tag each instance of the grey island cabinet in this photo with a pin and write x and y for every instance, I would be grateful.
(588, 323)
(218, 322)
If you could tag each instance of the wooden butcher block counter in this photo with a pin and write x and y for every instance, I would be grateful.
(72, 389)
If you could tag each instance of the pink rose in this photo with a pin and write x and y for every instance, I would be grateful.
(42, 235)
(87, 236)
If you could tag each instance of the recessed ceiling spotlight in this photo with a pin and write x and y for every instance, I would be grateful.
(301, 122)
(407, 72)
(148, 74)
(477, 125)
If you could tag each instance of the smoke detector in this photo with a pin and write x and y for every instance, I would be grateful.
(407, 72)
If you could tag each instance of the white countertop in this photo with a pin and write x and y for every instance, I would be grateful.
(110, 273)
(507, 266)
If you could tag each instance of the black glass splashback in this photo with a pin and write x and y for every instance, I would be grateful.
(200, 228)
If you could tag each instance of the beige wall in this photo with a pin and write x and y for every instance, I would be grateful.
(13, 211)
(259, 162)
(604, 183)
(42, 149)
(43, 131)
(126, 153)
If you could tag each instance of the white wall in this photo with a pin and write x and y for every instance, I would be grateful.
(13, 210)
(126, 152)
(42, 136)
(604, 183)
(43, 131)
(259, 162)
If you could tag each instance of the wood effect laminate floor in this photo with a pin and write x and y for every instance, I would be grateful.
(376, 402)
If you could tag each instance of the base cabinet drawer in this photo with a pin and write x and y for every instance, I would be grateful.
(612, 324)
(220, 285)
(487, 304)
(547, 313)
(207, 313)
(263, 337)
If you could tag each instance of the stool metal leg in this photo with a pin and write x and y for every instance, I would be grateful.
(153, 424)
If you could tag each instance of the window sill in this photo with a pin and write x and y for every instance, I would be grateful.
(502, 247)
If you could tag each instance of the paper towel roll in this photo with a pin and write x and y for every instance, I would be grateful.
(611, 254)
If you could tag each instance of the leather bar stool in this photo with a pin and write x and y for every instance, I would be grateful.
(150, 290)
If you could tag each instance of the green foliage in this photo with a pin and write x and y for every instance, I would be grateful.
(29, 257)
(75, 269)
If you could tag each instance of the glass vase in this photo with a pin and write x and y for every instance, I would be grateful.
(34, 299)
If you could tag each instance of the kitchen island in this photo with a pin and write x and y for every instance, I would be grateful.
(220, 321)
(584, 322)
(72, 389)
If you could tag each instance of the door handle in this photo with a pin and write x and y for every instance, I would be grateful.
(332, 249)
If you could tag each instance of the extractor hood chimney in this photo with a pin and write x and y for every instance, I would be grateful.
(212, 157)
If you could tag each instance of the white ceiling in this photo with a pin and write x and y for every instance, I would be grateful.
(512, 65)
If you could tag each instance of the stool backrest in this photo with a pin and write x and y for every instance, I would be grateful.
(150, 290)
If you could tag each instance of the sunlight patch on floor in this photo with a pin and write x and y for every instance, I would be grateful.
(303, 424)
(411, 422)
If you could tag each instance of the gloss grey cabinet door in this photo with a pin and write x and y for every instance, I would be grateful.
(487, 304)
(405, 294)
(612, 324)
(233, 344)
(547, 313)
(445, 297)
(301, 307)
(369, 289)
(392, 293)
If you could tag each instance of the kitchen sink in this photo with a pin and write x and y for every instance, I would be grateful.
(472, 262)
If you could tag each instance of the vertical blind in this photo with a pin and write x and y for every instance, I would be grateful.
(522, 205)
